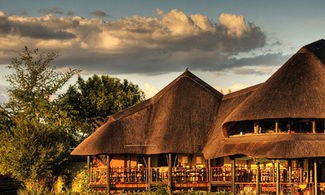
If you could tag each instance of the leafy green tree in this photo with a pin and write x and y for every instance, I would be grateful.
(37, 144)
(5, 121)
(90, 102)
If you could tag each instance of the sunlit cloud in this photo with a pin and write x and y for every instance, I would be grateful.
(165, 43)
(149, 90)
(235, 87)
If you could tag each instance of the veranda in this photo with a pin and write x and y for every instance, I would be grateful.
(237, 174)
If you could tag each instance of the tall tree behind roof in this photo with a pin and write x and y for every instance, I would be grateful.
(90, 102)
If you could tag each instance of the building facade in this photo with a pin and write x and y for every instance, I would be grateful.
(268, 138)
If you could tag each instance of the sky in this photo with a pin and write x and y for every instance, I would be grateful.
(230, 44)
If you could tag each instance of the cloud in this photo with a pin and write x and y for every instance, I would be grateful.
(149, 90)
(99, 13)
(165, 43)
(31, 27)
(233, 88)
(269, 59)
(56, 10)
(70, 13)
(51, 11)
(255, 70)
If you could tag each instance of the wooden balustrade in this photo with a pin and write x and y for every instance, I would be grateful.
(245, 178)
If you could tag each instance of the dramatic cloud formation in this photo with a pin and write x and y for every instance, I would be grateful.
(152, 45)
(29, 27)
(99, 13)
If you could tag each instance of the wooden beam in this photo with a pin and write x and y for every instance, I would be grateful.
(276, 127)
(256, 128)
(88, 169)
(290, 177)
(313, 124)
(273, 172)
(233, 176)
(108, 174)
(149, 173)
(315, 177)
(209, 175)
(258, 177)
(277, 177)
(170, 173)
(301, 175)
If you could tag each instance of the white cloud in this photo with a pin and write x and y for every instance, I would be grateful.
(233, 88)
(262, 70)
(166, 43)
(149, 90)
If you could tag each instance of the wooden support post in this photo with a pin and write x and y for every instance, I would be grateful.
(170, 173)
(209, 175)
(233, 176)
(290, 177)
(313, 124)
(273, 172)
(301, 175)
(277, 177)
(258, 177)
(88, 169)
(256, 128)
(108, 174)
(149, 173)
(315, 177)
(276, 127)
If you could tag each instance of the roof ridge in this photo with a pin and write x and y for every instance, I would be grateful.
(134, 108)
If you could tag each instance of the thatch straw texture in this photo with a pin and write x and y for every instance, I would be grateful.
(228, 104)
(176, 120)
(189, 116)
(296, 90)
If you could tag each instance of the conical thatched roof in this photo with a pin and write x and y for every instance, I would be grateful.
(176, 120)
(296, 90)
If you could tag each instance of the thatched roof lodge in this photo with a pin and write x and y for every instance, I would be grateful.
(279, 121)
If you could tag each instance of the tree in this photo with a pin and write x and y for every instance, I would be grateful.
(37, 143)
(5, 121)
(90, 102)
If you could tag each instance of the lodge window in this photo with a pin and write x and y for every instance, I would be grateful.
(270, 126)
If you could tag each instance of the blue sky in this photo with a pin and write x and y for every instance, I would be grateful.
(159, 44)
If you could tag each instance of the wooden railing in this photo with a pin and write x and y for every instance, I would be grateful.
(245, 178)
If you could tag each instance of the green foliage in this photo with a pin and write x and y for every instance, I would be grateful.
(5, 121)
(36, 147)
(80, 182)
(91, 101)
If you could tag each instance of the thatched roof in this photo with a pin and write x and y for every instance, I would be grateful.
(296, 90)
(228, 104)
(271, 146)
(189, 116)
(176, 120)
